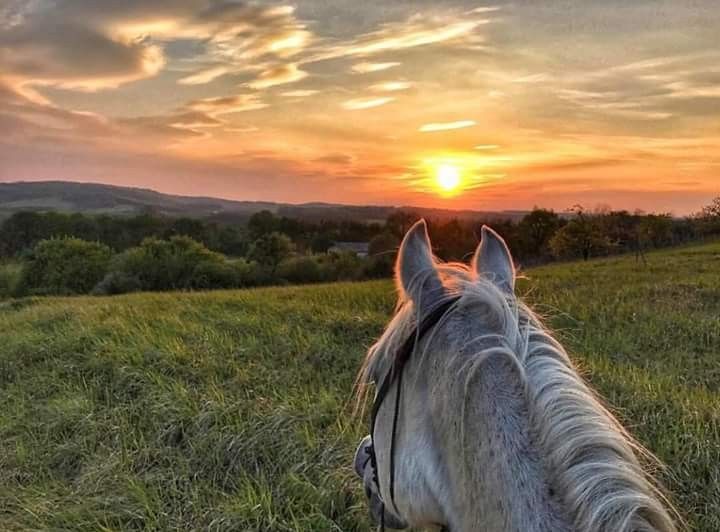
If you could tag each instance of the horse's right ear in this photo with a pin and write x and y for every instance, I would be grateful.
(493, 260)
(415, 271)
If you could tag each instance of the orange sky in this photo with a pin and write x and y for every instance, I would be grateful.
(613, 103)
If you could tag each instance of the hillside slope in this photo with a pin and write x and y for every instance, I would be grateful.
(230, 410)
(97, 198)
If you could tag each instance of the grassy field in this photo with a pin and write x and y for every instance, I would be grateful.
(230, 410)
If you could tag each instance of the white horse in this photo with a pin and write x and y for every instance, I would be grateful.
(488, 426)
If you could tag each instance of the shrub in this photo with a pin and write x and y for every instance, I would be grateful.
(345, 266)
(303, 269)
(117, 283)
(175, 264)
(9, 278)
(209, 275)
(64, 266)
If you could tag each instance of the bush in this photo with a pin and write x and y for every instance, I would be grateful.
(177, 264)
(209, 275)
(300, 270)
(64, 266)
(343, 266)
(117, 283)
(9, 279)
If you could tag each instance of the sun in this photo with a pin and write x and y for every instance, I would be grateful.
(447, 177)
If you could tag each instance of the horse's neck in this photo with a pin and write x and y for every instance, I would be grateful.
(500, 482)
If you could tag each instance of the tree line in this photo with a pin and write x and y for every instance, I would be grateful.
(58, 253)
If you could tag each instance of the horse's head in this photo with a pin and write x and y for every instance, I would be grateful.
(398, 462)
(480, 420)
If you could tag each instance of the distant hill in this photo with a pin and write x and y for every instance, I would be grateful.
(96, 198)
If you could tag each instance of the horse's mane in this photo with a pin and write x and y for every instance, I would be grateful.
(597, 466)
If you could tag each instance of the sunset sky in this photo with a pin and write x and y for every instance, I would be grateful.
(368, 102)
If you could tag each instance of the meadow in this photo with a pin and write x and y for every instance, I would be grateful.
(232, 410)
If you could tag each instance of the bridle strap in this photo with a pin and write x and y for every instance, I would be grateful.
(396, 373)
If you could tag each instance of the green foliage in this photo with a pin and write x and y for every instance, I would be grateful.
(708, 219)
(345, 266)
(229, 410)
(302, 269)
(382, 250)
(64, 266)
(180, 263)
(581, 237)
(10, 273)
(270, 249)
(537, 229)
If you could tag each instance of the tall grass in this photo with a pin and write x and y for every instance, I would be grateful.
(229, 410)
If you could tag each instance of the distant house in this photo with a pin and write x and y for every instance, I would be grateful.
(358, 248)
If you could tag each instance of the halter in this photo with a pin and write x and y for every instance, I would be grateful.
(396, 374)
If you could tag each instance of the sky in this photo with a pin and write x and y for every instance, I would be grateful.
(519, 103)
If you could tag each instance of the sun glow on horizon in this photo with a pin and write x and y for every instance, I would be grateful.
(447, 178)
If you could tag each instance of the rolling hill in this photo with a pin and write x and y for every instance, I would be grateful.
(96, 198)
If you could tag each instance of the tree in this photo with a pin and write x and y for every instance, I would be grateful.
(262, 223)
(580, 237)
(21, 231)
(270, 250)
(656, 230)
(320, 243)
(382, 250)
(708, 219)
(399, 222)
(536, 229)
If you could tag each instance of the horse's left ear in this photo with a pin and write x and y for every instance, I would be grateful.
(415, 270)
(493, 260)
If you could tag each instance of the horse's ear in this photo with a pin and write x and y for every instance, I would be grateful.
(493, 260)
(415, 271)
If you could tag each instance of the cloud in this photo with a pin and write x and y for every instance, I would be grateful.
(244, 129)
(88, 45)
(204, 76)
(390, 86)
(335, 158)
(365, 103)
(226, 104)
(418, 30)
(486, 147)
(278, 75)
(364, 68)
(445, 126)
(301, 93)
(71, 56)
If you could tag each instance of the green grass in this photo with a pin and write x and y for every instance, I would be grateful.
(230, 410)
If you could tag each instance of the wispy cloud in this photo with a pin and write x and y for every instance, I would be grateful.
(204, 76)
(390, 86)
(417, 31)
(486, 147)
(227, 104)
(278, 75)
(364, 68)
(445, 126)
(365, 103)
(335, 158)
(300, 93)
